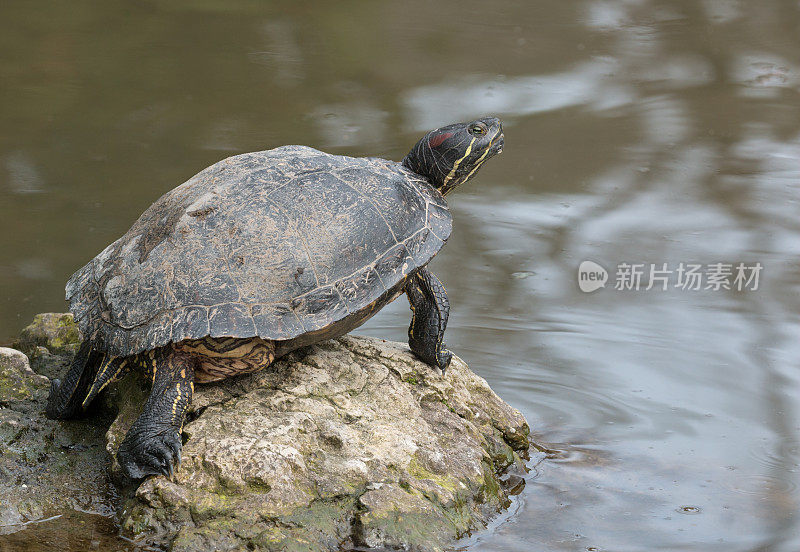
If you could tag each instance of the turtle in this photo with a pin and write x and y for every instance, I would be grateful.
(258, 255)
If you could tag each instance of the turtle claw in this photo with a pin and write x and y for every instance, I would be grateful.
(443, 359)
(150, 455)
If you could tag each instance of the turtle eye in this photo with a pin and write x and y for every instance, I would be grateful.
(477, 130)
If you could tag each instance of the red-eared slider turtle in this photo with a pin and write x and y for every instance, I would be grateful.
(258, 255)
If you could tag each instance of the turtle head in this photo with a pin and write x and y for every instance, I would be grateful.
(452, 154)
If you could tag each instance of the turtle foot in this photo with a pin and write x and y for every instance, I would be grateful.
(443, 359)
(141, 455)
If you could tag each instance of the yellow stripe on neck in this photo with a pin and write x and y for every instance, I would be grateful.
(478, 163)
(457, 163)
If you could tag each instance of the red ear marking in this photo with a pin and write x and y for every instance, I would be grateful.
(439, 138)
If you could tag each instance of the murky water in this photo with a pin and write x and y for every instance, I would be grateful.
(637, 131)
(70, 531)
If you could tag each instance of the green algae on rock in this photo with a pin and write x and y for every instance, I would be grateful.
(53, 330)
(351, 442)
(16, 381)
(50, 342)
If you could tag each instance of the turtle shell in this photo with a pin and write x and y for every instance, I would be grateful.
(274, 244)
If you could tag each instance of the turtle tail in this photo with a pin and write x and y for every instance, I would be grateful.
(67, 397)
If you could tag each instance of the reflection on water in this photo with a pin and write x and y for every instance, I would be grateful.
(584, 85)
(654, 131)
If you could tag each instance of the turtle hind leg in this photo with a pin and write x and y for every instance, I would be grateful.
(153, 444)
(66, 397)
(111, 369)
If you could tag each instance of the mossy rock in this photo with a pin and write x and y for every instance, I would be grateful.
(16, 383)
(351, 442)
(56, 332)
(50, 342)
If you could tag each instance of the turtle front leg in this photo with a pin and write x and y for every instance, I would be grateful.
(428, 300)
(153, 442)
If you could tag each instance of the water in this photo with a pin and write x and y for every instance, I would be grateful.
(638, 131)
(70, 531)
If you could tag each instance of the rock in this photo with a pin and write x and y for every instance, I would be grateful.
(47, 364)
(394, 517)
(55, 331)
(351, 442)
(45, 466)
(9, 518)
(15, 372)
(50, 341)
